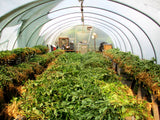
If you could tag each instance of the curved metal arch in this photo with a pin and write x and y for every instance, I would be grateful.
(118, 29)
(134, 23)
(92, 13)
(126, 28)
(101, 25)
(118, 15)
(63, 28)
(22, 7)
(66, 14)
(115, 26)
(130, 7)
(85, 12)
(99, 14)
(47, 14)
(14, 17)
(54, 23)
(136, 10)
(106, 28)
(54, 11)
(44, 30)
(66, 27)
(72, 26)
(111, 28)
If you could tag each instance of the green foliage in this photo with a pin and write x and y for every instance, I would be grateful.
(19, 55)
(96, 60)
(145, 71)
(20, 73)
(41, 59)
(5, 56)
(74, 88)
(18, 51)
(43, 49)
(4, 77)
(138, 65)
(5, 53)
(16, 74)
(11, 76)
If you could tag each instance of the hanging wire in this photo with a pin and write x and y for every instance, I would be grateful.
(82, 17)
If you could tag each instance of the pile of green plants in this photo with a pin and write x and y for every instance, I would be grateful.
(41, 49)
(79, 87)
(145, 71)
(20, 73)
(13, 76)
(20, 55)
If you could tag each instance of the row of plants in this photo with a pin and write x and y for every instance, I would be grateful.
(145, 71)
(78, 87)
(20, 55)
(12, 77)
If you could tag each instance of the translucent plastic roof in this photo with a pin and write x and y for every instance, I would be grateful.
(133, 25)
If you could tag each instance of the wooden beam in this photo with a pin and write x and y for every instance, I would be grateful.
(139, 94)
(155, 108)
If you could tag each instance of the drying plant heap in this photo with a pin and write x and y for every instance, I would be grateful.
(144, 71)
(79, 87)
(14, 74)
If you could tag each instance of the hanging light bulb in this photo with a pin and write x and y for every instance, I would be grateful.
(94, 36)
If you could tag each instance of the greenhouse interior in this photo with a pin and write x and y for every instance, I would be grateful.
(79, 59)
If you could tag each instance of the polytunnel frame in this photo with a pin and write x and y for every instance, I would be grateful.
(96, 14)
(136, 10)
(35, 31)
(111, 28)
(134, 24)
(78, 19)
(38, 4)
(59, 21)
(121, 16)
(78, 24)
(103, 16)
(103, 31)
(3, 17)
(84, 12)
(32, 22)
(49, 27)
(46, 14)
(103, 27)
(66, 27)
(18, 14)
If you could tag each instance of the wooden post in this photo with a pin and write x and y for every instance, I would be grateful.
(139, 94)
(130, 118)
(118, 70)
(1, 96)
(114, 66)
(155, 108)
